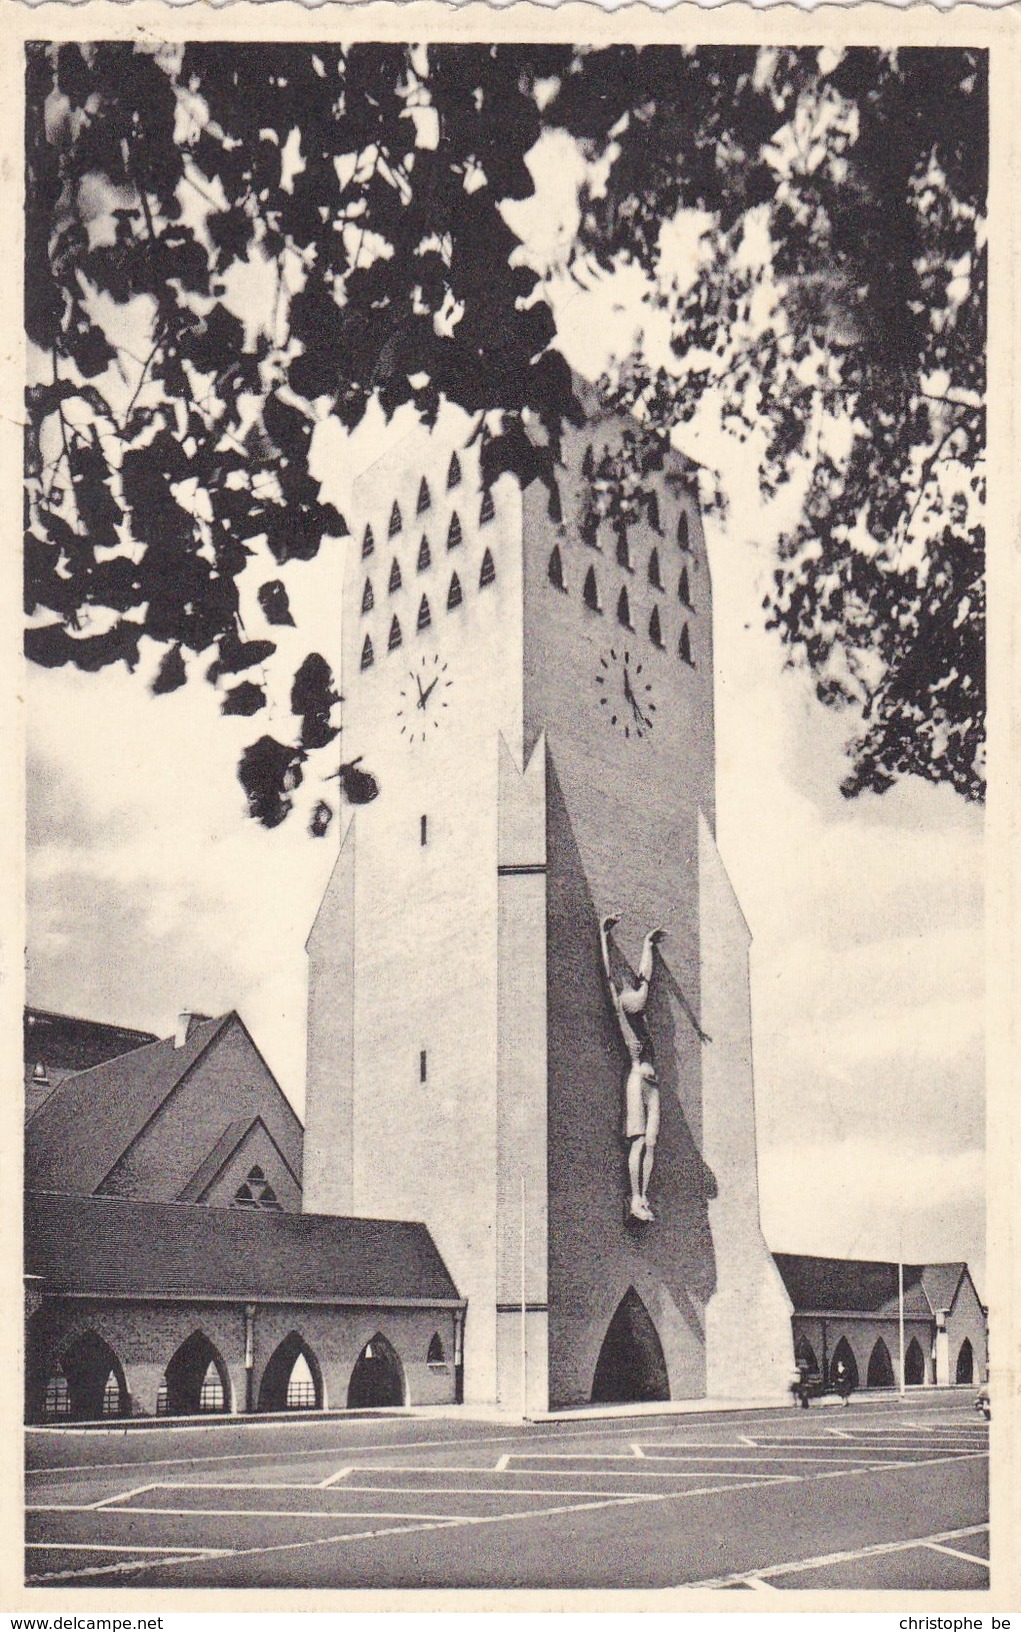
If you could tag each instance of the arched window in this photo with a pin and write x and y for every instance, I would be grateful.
(424, 554)
(394, 639)
(424, 497)
(57, 1402)
(395, 521)
(682, 529)
(395, 576)
(684, 589)
(368, 599)
(655, 633)
(590, 591)
(257, 1192)
(488, 573)
(436, 1355)
(655, 578)
(366, 662)
(914, 1364)
(556, 570)
(624, 609)
(453, 472)
(368, 542)
(684, 646)
(965, 1363)
(454, 532)
(424, 615)
(454, 596)
(211, 1396)
(487, 509)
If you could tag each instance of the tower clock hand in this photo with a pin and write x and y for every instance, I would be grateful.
(427, 693)
(418, 683)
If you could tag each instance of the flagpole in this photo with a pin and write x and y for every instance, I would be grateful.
(524, 1338)
(900, 1315)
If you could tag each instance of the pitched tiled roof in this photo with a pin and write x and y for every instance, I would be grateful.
(849, 1285)
(71, 1044)
(941, 1282)
(111, 1102)
(114, 1248)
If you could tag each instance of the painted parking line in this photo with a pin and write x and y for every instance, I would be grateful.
(881, 1549)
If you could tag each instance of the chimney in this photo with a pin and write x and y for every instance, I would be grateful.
(187, 1020)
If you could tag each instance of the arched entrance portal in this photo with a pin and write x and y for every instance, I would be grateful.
(631, 1366)
(914, 1364)
(378, 1377)
(804, 1355)
(88, 1381)
(880, 1373)
(965, 1362)
(196, 1380)
(844, 1352)
(292, 1380)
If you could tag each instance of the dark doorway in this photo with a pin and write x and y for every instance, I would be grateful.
(196, 1380)
(965, 1363)
(292, 1380)
(93, 1384)
(914, 1364)
(378, 1377)
(804, 1355)
(844, 1352)
(880, 1373)
(631, 1366)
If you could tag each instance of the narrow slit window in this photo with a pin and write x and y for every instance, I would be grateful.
(655, 632)
(685, 646)
(623, 548)
(424, 554)
(423, 1066)
(588, 463)
(487, 573)
(487, 509)
(368, 599)
(590, 591)
(424, 498)
(453, 472)
(368, 542)
(395, 576)
(395, 521)
(367, 654)
(556, 570)
(684, 588)
(424, 615)
(655, 577)
(454, 596)
(454, 532)
(423, 831)
(624, 609)
(395, 635)
(682, 529)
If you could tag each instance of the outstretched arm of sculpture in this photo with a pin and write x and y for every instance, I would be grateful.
(605, 926)
(634, 1001)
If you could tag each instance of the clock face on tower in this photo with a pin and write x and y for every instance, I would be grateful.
(625, 694)
(423, 698)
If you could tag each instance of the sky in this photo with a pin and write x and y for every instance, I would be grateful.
(150, 890)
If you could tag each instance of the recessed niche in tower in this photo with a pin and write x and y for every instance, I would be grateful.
(655, 577)
(395, 635)
(623, 547)
(454, 532)
(624, 609)
(685, 646)
(684, 588)
(424, 615)
(655, 633)
(487, 509)
(487, 574)
(366, 662)
(454, 596)
(368, 542)
(682, 529)
(556, 570)
(453, 472)
(395, 521)
(424, 497)
(395, 576)
(368, 599)
(590, 591)
(424, 554)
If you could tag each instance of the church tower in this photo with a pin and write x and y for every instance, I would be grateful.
(532, 689)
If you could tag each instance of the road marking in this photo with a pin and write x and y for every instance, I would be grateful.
(194, 1555)
(123, 1496)
(956, 1552)
(324, 1484)
(636, 1450)
(823, 1560)
(122, 1547)
(744, 1440)
(838, 1433)
(758, 1585)
(502, 1463)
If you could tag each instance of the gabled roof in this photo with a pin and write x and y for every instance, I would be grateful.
(65, 1041)
(233, 1135)
(114, 1248)
(78, 1133)
(941, 1282)
(849, 1285)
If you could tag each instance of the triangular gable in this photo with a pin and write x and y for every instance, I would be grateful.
(223, 1152)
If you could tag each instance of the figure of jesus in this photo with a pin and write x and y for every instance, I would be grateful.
(641, 1093)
